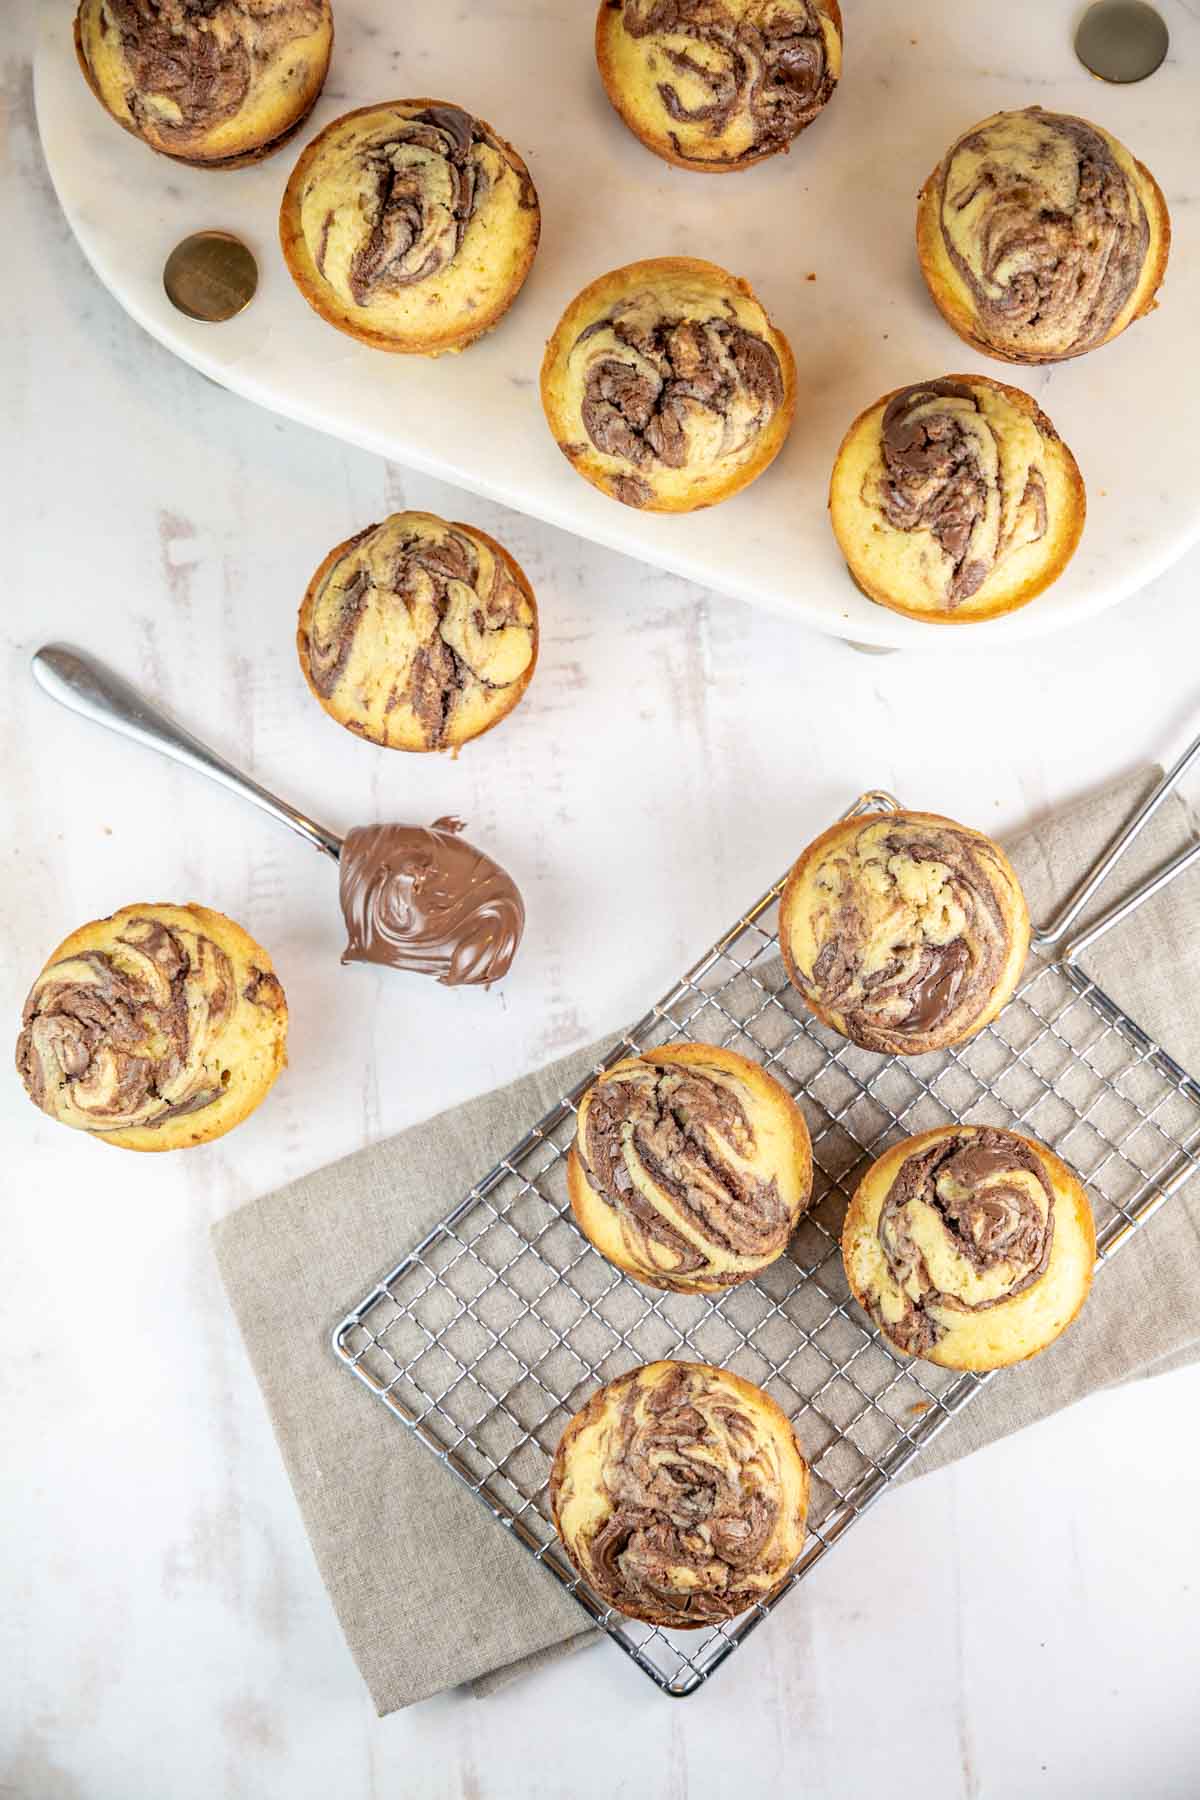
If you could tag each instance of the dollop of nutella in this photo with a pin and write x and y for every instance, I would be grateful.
(423, 899)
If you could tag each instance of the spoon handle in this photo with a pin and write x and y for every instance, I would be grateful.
(87, 687)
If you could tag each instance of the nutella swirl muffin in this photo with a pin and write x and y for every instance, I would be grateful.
(1040, 237)
(717, 85)
(411, 226)
(680, 1494)
(970, 1246)
(418, 634)
(955, 499)
(690, 1167)
(904, 931)
(155, 1029)
(667, 386)
(217, 83)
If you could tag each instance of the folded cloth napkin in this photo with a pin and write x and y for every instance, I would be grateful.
(429, 1591)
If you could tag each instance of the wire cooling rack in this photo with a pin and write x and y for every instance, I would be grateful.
(489, 1335)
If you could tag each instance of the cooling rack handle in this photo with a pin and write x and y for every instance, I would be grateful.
(1074, 949)
(875, 800)
(1052, 934)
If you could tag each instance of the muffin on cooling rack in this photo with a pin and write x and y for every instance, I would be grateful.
(680, 1494)
(1041, 237)
(970, 1246)
(156, 1029)
(216, 83)
(954, 500)
(904, 931)
(411, 226)
(418, 634)
(690, 1168)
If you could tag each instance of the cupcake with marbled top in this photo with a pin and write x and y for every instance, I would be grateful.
(717, 85)
(691, 1167)
(955, 500)
(217, 83)
(159, 1028)
(418, 634)
(667, 386)
(1041, 237)
(904, 931)
(410, 225)
(970, 1246)
(680, 1494)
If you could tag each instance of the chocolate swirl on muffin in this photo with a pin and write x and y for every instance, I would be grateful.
(952, 1245)
(904, 931)
(417, 633)
(690, 1167)
(667, 386)
(150, 1017)
(996, 1229)
(427, 901)
(420, 187)
(1040, 236)
(207, 81)
(197, 57)
(717, 85)
(955, 499)
(411, 226)
(680, 1494)
(655, 384)
(943, 473)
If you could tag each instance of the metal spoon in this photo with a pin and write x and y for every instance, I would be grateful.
(414, 898)
(86, 687)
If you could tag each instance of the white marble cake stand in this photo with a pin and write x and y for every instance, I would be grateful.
(838, 208)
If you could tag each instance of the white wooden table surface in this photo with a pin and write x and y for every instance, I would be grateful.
(1024, 1624)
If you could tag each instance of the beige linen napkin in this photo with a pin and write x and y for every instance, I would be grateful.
(430, 1591)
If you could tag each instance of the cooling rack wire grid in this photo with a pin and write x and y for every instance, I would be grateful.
(488, 1335)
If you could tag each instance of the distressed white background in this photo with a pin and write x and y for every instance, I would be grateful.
(1024, 1624)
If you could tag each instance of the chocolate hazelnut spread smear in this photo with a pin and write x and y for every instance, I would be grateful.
(766, 63)
(201, 56)
(664, 392)
(680, 1133)
(425, 900)
(128, 1036)
(695, 1492)
(1046, 227)
(986, 1195)
(945, 472)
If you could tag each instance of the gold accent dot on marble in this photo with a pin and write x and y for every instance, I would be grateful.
(210, 276)
(1122, 40)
